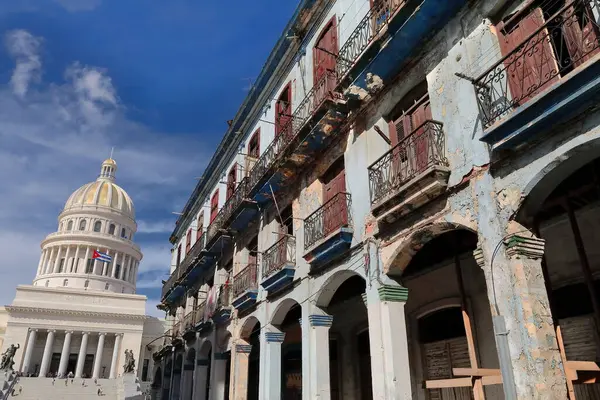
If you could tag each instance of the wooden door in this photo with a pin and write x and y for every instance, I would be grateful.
(283, 111)
(580, 33)
(200, 226)
(231, 181)
(335, 213)
(325, 51)
(214, 206)
(188, 241)
(439, 359)
(533, 67)
(418, 116)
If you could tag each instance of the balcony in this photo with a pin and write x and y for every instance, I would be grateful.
(223, 310)
(245, 288)
(308, 132)
(328, 231)
(412, 173)
(388, 35)
(188, 325)
(201, 319)
(546, 80)
(279, 264)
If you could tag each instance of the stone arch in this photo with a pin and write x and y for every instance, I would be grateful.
(331, 285)
(248, 327)
(281, 311)
(190, 356)
(543, 181)
(205, 349)
(404, 253)
(224, 341)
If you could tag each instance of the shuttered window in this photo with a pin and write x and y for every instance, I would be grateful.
(214, 206)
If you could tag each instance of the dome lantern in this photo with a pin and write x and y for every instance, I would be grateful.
(108, 170)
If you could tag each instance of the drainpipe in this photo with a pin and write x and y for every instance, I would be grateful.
(508, 379)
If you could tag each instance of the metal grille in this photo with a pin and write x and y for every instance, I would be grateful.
(282, 253)
(188, 321)
(199, 313)
(245, 280)
(365, 32)
(332, 215)
(561, 44)
(423, 148)
(183, 267)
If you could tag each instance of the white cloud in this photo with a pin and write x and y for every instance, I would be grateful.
(24, 48)
(53, 138)
(79, 5)
(155, 227)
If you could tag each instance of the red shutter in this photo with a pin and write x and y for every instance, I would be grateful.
(336, 213)
(283, 109)
(200, 225)
(214, 206)
(418, 117)
(530, 66)
(580, 33)
(231, 181)
(254, 145)
(188, 241)
(325, 49)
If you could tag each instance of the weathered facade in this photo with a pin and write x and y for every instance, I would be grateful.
(405, 206)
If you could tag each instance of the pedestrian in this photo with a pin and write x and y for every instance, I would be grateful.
(53, 381)
(20, 389)
(66, 381)
(83, 382)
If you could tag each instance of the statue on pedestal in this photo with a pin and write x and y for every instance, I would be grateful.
(129, 365)
(7, 357)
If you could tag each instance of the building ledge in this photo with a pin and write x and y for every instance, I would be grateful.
(329, 247)
(222, 315)
(246, 300)
(279, 279)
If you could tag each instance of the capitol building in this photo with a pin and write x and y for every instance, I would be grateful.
(80, 314)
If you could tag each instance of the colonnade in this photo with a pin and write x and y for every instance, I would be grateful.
(65, 353)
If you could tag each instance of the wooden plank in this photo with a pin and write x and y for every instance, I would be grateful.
(475, 372)
(583, 366)
(570, 373)
(448, 383)
(492, 380)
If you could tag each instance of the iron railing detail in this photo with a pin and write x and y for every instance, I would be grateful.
(332, 215)
(184, 266)
(199, 312)
(564, 42)
(188, 321)
(365, 33)
(224, 299)
(423, 148)
(245, 280)
(314, 99)
(282, 253)
(230, 206)
(168, 285)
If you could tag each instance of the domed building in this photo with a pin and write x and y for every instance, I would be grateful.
(82, 312)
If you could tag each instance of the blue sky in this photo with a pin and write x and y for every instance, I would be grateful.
(156, 79)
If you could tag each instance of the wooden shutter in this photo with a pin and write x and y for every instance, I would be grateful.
(188, 241)
(580, 339)
(254, 144)
(336, 212)
(325, 49)
(532, 65)
(283, 109)
(200, 225)
(214, 206)
(439, 359)
(580, 33)
(231, 181)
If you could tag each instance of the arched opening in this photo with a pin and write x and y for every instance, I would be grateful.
(82, 225)
(287, 320)
(204, 364)
(188, 374)
(111, 229)
(176, 384)
(568, 219)
(70, 226)
(156, 387)
(349, 348)
(167, 379)
(97, 226)
(251, 334)
(448, 319)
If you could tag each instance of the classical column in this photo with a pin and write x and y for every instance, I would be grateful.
(48, 266)
(39, 268)
(57, 260)
(271, 371)
(85, 260)
(135, 272)
(47, 353)
(241, 371)
(75, 263)
(82, 354)
(115, 262)
(115, 356)
(44, 261)
(64, 355)
(68, 253)
(98, 357)
(319, 355)
(123, 266)
(217, 387)
(29, 351)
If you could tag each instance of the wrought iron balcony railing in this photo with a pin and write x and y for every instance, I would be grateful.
(565, 41)
(365, 32)
(188, 321)
(184, 266)
(177, 329)
(199, 312)
(332, 215)
(228, 209)
(321, 91)
(424, 147)
(245, 280)
(283, 252)
(224, 299)
(169, 284)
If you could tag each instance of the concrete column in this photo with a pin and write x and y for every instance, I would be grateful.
(319, 356)
(518, 299)
(87, 255)
(29, 351)
(115, 262)
(57, 260)
(39, 268)
(82, 354)
(67, 259)
(115, 356)
(98, 357)
(123, 264)
(64, 355)
(48, 266)
(75, 263)
(388, 342)
(271, 373)
(217, 387)
(240, 383)
(44, 261)
(47, 353)
(135, 272)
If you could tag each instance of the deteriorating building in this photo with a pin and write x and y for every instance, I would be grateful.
(405, 207)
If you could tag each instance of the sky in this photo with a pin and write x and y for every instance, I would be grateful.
(157, 80)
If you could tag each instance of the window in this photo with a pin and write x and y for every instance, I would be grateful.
(254, 145)
(123, 233)
(214, 206)
(286, 222)
(65, 282)
(73, 267)
(70, 226)
(82, 225)
(89, 267)
(200, 225)
(283, 110)
(117, 271)
(61, 265)
(231, 181)
(107, 286)
(178, 260)
(325, 50)
(97, 226)
(47, 283)
(188, 241)
(145, 369)
(86, 284)
(111, 229)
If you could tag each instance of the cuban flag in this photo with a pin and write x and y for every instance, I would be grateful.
(101, 257)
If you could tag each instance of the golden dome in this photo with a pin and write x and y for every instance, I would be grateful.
(104, 192)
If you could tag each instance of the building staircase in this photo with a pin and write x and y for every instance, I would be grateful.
(43, 389)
